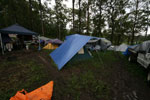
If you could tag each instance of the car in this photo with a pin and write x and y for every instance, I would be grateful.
(141, 54)
(132, 53)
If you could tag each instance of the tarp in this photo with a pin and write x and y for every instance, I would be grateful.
(42, 93)
(122, 48)
(68, 49)
(132, 47)
(16, 29)
(50, 46)
(143, 47)
(135, 47)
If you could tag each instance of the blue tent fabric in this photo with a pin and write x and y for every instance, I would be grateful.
(68, 49)
(16, 29)
(127, 53)
(70, 36)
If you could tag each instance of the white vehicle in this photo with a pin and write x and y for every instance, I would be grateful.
(143, 57)
(141, 53)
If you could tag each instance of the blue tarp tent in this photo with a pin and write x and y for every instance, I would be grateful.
(126, 53)
(16, 29)
(6, 38)
(134, 47)
(69, 49)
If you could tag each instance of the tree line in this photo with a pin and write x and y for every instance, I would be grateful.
(117, 20)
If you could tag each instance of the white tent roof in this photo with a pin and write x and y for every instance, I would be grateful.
(44, 38)
(122, 47)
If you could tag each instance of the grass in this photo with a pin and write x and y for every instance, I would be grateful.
(49, 57)
(77, 80)
(87, 80)
(17, 75)
(87, 83)
(134, 68)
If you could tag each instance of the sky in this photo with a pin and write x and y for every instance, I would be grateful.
(69, 5)
(67, 2)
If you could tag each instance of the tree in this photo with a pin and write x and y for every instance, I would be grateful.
(79, 16)
(41, 14)
(99, 17)
(88, 17)
(146, 19)
(112, 14)
(30, 10)
(61, 18)
(73, 13)
(135, 21)
(102, 18)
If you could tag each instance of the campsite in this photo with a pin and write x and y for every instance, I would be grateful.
(115, 79)
(74, 50)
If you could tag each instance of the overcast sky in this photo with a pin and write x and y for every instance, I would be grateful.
(67, 2)
(69, 5)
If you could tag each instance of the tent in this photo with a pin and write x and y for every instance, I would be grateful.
(15, 29)
(105, 43)
(132, 47)
(82, 54)
(122, 47)
(54, 41)
(143, 47)
(69, 49)
(44, 38)
(50, 46)
(98, 44)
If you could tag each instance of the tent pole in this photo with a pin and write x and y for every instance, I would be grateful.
(39, 43)
(1, 44)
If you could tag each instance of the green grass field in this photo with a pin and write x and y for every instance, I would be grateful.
(90, 79)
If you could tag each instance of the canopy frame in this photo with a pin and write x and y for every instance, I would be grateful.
(1, 43)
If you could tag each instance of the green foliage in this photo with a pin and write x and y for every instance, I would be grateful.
(91, 79)
(134, 68)
(13, 11)
(116, 20)
(88, 83)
